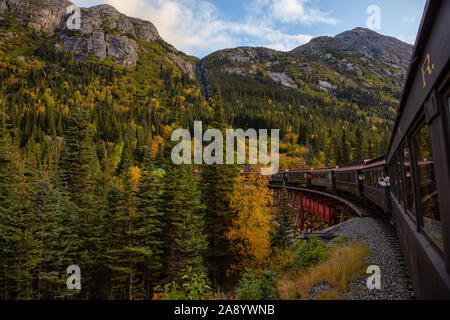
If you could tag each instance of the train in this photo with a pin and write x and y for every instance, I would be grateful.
(411, 183)
(368, 181)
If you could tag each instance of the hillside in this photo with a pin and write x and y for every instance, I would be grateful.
(351, 83)
(118, 67)
(333, 99)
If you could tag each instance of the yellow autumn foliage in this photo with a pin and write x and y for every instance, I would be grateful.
(249, 235)
(136, 174)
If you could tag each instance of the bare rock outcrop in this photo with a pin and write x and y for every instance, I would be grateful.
(105, 32)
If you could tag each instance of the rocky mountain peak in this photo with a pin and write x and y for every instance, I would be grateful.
(363, 42)
(105, 32)
(107, 8)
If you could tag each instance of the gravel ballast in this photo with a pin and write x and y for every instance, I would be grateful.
(385, 254)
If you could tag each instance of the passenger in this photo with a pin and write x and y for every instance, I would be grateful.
(383, 182)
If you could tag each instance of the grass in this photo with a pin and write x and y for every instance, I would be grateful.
(343, 265)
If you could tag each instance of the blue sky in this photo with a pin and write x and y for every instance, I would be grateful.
(199, 27)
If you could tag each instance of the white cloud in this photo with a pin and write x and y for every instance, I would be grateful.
(294, 11)
(196, 26)
(409, 39)
(409, 19)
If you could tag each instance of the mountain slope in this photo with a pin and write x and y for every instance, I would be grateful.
(363, 42)
(135, 83)
(119, 68)
(352, 82)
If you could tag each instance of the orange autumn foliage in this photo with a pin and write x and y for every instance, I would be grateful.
(249, 235)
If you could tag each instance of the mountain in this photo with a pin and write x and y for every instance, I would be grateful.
(363, 42)
(105, 32)
(136, 84)
(132, 82)
(356, 52)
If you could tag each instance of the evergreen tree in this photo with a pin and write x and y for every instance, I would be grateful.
(284, 220)
(185, 240)
(371, 151)
(50, 221)
(152, 224)
(8, 229)
(217, 185)
(126, 161)
(346, 149)
(359, 145)
(78, 160)
(78, 168)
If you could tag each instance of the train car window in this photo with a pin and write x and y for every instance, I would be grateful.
(407, 169)
(399, 178)
(429, 201)
(391, 173)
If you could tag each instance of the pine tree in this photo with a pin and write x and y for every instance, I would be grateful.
(359, 143)
(128, 250)
(114, 239)
(79, 165)
(371, 152)
(284, 221)
(126, 161)
(8, 228)
(151, 224)
(217, 185)
(185, 240)
(78, 159)
(346, 149)
(50, 221)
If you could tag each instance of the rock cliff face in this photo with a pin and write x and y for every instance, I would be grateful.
(108, 33)
(105, 32)
(43, 15)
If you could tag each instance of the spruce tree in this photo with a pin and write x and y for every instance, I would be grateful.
(217, 186)
(185, 239)
(79, 165)
(284, 220)
(50, 221)
(346, 149)
(151, 224)
(359, 143)
(126, 161)
(8, 229)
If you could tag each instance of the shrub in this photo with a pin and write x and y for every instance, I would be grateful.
(310, 253)
(194, 286)
(258, 287)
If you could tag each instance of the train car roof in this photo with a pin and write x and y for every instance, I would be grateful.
(431, 47)
(375, 165)
(300, 170)
(323, 169)
(354, 168)
(376, 160)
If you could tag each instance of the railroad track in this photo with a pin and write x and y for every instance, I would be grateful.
(394, 241)
(384, 222)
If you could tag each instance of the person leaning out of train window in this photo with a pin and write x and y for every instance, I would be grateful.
(384, 182)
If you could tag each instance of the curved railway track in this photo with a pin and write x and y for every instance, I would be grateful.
(364, 210)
